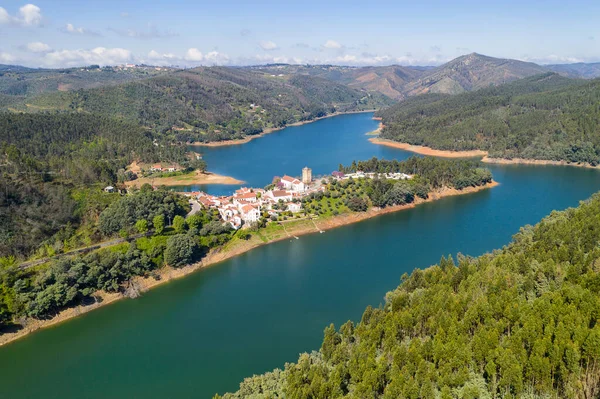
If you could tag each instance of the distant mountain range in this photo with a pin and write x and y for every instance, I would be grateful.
(218, 103)
(466, 73)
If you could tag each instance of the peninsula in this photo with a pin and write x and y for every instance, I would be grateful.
(289, 208)
(544, 119)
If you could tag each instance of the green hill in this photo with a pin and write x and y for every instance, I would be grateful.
(521, 322)
(545, 117)
(21, 81)
(216, 103)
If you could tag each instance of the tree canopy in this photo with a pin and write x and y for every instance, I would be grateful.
(519, 322)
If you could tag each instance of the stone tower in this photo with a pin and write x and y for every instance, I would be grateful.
(306, 175)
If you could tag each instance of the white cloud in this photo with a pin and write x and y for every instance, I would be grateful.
(125, 15)
(71, 29)
(152, 33)
(332, 44)
(195, 55)
(214, 57)
(5, 18)
(6, 58)
(38, 47)
(162, 59)
(74, 30)
(267, 45)
(554, 59)
(98, 55)
(28, 15)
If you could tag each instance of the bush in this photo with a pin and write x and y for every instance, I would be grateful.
(181, 250)
(357, 204)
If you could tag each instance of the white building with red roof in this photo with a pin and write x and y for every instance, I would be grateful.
(291, 183)
(278, 195)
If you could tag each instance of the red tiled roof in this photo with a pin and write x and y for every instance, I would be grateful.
(280, 193)
(245, 195)
(288, 178)
(247, 208)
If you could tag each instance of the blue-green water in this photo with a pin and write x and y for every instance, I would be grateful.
(322, 146)
(205, 333)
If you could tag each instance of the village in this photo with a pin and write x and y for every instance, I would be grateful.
(246, 206)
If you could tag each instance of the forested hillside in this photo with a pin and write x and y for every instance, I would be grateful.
(387, 80)
(466, 73)
(20, 81)
(211, 104)
(544, 117)
(48, 164)
(521, 322)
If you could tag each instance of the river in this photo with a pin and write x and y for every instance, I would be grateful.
(203, 334)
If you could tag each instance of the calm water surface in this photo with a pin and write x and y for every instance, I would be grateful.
(205, 333)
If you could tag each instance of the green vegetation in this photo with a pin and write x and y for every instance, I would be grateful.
(212, 104)
(544, 117)
(145, 205)
(436, 172)
(44, 290)
(16, 81)
(521, 322)
(52, 167)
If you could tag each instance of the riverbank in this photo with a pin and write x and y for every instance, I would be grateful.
(272, 130)
(272, 233)
(195, 177)
(523, 161)
(418, 149)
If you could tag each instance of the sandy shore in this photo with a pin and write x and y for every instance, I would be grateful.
(184, 180)
(522, 161)
(232, 249)
(474, 153)
(271, 130)
(418, 149)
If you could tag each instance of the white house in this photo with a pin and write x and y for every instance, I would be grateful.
(250, 214)
(245, 197)
(282, 195)
(290, 183)
(294, 207)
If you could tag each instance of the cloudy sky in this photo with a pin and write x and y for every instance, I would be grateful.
(187, 33)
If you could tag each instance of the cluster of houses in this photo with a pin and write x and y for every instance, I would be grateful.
(370, 175)
(247, 205)
(164, 168)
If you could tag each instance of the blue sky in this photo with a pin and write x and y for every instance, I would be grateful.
(187, 33)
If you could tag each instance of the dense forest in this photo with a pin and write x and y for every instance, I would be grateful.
(358, 194)
(211, 104)
(52, 166)
(159, 235)
(544, 117)
(436, 172)
(521, 322)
